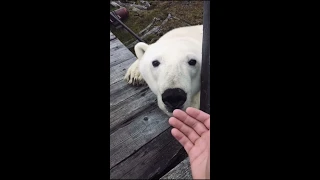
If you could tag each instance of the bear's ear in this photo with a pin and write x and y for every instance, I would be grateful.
(140, 49)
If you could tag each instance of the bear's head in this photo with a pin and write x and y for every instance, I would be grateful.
(172, 70)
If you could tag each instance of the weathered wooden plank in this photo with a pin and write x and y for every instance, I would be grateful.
(119, 57)
(128, 101)
(129, 108)
(122, 86)
(142, 129)
(120, 60)
(141, 145)
(181, 171)
(121, 90)
(112, 36)
(151, 160)
(118, 71)
(119, 53)
(115, 44)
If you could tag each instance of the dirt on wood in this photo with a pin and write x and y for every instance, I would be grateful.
(151, 19)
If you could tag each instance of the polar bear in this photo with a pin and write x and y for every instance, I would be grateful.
(171, 67)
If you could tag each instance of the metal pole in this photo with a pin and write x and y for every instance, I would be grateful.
(205, 69)
(126, 27)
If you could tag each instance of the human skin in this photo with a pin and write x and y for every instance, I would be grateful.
(192, 130)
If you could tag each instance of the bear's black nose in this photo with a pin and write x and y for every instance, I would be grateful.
(174, 98)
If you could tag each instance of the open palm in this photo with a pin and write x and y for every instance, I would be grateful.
(192, 130)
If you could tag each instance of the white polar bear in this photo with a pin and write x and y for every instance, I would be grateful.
(171, 67)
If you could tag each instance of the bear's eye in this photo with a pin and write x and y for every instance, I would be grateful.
(192, 62)
(155, 63)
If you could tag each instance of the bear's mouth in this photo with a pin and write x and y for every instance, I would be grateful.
(171, 109)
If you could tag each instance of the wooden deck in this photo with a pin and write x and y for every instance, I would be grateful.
(141, 145)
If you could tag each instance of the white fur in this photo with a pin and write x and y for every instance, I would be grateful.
(173, 51)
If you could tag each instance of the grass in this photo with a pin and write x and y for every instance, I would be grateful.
(189, 11)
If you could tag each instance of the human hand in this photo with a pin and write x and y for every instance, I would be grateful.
(192, 130)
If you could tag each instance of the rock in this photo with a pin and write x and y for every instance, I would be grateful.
(135, 9)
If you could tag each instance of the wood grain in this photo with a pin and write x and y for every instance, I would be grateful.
(181, 171)
(119, 53)
(112, 36)
(141, 145)
(149, 161)
(142, 129)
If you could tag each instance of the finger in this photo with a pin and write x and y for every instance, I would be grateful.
(186, 130)
(199, 115)
(183, 140)
(198, 126)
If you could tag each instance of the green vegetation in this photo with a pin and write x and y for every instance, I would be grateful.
(189, 12)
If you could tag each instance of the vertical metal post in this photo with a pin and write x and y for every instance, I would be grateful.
(205, 69)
